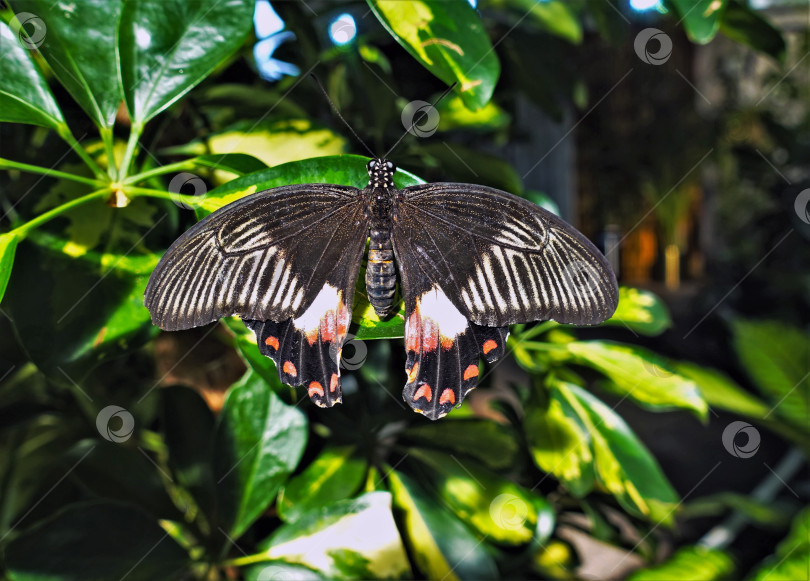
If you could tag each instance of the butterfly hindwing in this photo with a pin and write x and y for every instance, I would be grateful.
(501, 259)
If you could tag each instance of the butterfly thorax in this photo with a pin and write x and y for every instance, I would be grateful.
(381, 278)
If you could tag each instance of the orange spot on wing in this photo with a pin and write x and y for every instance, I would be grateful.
(447, 343)
(312, 336)
(412, 372)
(489, 345)
(412, 332)
(328, 326)
(470, 372)
(424, 392)
(430, 335)
(272, 342)
(333, 383)
(315, 388)
(342, 320)
(447, 396)
(289, 368)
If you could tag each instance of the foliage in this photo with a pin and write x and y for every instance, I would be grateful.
(116, 475)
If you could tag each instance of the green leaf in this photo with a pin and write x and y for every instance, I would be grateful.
(742, 24)
(555, 16)
(454, 115)
(348, 539)
(492, 505)
(258, 442)
(237, 163)
(168, 47)
(560, 444)
(467, 165)
(95, 541)
(490, 443)
(700, 18)
(280, 570)
(689, 562)
(441, 545)
(775, 356)
(85, 63)
(449, 40)
(720, 391)
(334, 475)
(770, 514)
(24, 94)
(640, 374)
(792, 558)
(8, 247)
(623, 465)
(640, 311)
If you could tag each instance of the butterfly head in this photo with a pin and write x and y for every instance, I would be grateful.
(381, 173)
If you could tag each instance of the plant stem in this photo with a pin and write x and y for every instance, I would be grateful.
(164, 169)
(9, 164)
(67, 136)
(129, 154)
(109, 147)
(247, 560)
(58, 211)
(134, 192)
(538, 329)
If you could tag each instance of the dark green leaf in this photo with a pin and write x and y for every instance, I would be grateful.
(258, 443)
(441, 545)
(85, 62)
(168, 47)
(449, 40)
(792, 558)
(348, 539)
(742, 24)
(8, 247)
(24, 95)
(467, 165)
(95, 541)
(556, 16)
(334, 475)
(640, 374)
(640, 311)
(689, 562)
(700, 18)
(492, 505)
(770, 514)
(775, 356)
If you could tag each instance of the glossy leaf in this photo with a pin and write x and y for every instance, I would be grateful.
(492, 505)
(335, 474)
(720, 391)
(442, 546)
(640, 374)
(24, 95)
(689, 562)
(792, 558)
(258, 443)
(700, 18)
(775, 356)
(95, 541)
(80, 47)
(8, 247)
(641, 312)
(742, 24)
(449, 40)
(555, 16)
(623, 465)
(348, 539)
(168, 47)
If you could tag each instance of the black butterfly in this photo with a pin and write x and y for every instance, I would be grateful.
(472, 260)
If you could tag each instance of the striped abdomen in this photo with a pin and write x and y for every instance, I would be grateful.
(381, 277)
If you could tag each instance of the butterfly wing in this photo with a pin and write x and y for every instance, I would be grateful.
(286, 261)
(474, 260)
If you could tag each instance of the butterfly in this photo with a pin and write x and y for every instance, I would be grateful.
(471, 259)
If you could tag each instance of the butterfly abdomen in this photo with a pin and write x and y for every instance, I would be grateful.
(381, 277)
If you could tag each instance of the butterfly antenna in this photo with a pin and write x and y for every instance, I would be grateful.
(337, 112)
(422, 114)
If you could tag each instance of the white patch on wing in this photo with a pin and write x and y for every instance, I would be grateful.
(435, 305)
(327, 300)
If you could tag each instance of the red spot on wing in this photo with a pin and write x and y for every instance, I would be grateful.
(447, 396)
(470, 372)
(342, 322)
(315, 388)
(289, 368)
(430, 335)
(412, 372)
(424, 392)
(412, 332)
(328, 326)
(312, 336)
(489, 345)
(272, 342)
(333, 383)
(447, 343)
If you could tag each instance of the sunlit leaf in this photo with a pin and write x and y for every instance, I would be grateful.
(453, 114)
(448, 39)
(720, 391)
(792, 558)
(641, 312)
(24, 95)
(689, 562)
(8, 247)
(259, 441)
